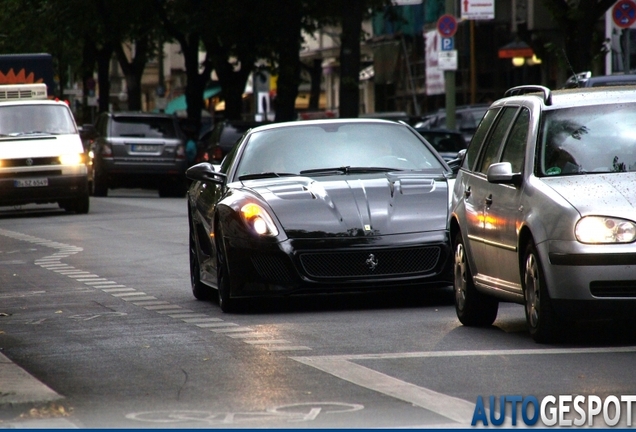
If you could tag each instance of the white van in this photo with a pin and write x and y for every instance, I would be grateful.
(42, 159)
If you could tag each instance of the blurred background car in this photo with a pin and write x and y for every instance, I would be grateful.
(134, 149)
(467, 118)
(215, 143)
(448, 143)
(585, 79)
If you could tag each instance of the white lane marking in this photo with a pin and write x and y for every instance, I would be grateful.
(77, 276)
(249, 335)
(171, 311)
(450, 407)
(201, 320)
(129, 294)
(266, 341)
(187, 315)
(162, 307)
(92, 279)
(218, 324)
(151, 303)
(461, 353)
(284, 347)
(136, 298)
(456, 409)
(232, 330)
(113, 289)
(99, 285)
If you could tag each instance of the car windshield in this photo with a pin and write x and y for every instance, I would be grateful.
(329, 146)
(143, 127)
(19, 120)
(589, 139)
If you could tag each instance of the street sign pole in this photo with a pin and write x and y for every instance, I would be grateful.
(449, 80)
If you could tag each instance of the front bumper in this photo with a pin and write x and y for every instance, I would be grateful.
(338, 264)
(588, 281)
(58, 188)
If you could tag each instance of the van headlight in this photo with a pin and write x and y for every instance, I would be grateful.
(601, 229)
(71, 159)
(258, 220)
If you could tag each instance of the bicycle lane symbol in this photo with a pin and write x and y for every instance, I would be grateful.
(298, 412)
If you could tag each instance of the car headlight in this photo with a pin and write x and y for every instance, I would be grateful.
(258, 220)
(71, 159)
(601, 229)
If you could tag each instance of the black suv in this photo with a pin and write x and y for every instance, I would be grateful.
(217, 142)
(134, 149)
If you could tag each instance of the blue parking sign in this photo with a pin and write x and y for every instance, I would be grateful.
(447, 44)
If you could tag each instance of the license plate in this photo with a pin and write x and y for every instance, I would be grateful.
(146, 148)
(31, 182)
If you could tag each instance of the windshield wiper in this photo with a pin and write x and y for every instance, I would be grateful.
(265, 175)
(348, 170)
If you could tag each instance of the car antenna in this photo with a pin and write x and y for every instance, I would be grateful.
(574, 74)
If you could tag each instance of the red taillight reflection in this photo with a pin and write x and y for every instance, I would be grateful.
(218, 153)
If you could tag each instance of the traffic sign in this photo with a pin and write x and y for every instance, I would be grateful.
(447, 44)
(447, 60)
(447, 25)
(624, 13)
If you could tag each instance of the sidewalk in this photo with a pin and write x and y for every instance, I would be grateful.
(18, 389)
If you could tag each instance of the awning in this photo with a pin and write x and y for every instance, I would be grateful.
(515, 49)
(179, 103)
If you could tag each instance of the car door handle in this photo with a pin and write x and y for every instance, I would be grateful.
(467, 192)
(489, 200)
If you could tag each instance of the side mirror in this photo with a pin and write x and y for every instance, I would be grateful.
(205, 172)
(502, 173)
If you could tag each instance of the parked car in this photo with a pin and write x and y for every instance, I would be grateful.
(467, 118)
(135, 149)
(320, 206)
(585, 79)
(41, 155)
(448, 143)
(543, 209)
(218, 141)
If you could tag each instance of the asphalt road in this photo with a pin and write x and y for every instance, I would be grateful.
(99, 329)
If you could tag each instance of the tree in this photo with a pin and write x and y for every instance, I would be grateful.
(577, 26)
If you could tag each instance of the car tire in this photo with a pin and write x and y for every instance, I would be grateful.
(472, 307)
(100, 185)
(226, 303)
(543, 323)
(81, 205)
(199, 289)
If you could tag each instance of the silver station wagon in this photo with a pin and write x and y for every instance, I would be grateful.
(544, 209)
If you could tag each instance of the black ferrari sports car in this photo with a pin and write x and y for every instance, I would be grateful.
(317, 207)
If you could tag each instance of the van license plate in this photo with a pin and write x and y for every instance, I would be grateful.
(31, 182)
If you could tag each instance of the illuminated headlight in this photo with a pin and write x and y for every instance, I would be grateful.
(258, 219)
(71, 159)
(599, 229)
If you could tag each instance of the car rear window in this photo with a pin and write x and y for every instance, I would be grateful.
(142, 127)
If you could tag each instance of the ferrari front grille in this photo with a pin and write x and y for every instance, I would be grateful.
(371, 263)
(272, 268)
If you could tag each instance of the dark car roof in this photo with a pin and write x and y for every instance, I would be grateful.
(140, 114)
(586, 79)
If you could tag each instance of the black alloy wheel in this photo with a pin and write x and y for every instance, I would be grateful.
(199, 289)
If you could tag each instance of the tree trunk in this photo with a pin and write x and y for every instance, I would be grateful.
(350, 58)
(315, 72)
(104, 55)
(289, 64)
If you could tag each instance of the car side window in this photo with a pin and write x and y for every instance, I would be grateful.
(514, 151)
(495, 140)
(478, 138)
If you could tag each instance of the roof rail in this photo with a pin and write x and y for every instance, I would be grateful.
(525, 89)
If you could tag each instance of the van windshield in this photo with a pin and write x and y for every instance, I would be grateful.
(19, 120)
